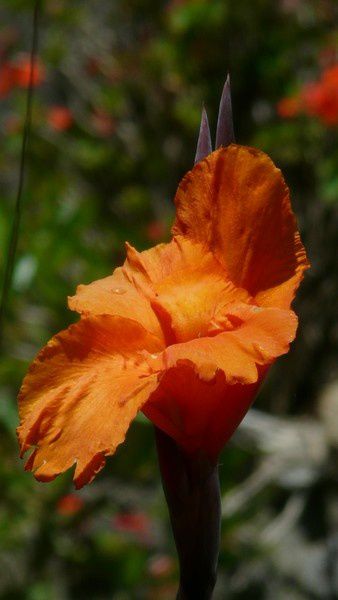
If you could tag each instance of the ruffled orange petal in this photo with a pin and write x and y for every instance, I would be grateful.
(81, 393)
(258, 337)
(115, 295)
(185, 284)
(148, 268)
(209, 383)
(237, 203)
(195, 294)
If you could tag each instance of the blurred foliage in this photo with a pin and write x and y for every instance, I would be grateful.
(130, 78)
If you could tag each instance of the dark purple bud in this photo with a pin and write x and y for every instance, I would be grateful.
(225, 128)
(204, 146)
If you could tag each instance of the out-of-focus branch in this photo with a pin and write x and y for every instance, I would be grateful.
(292, 455)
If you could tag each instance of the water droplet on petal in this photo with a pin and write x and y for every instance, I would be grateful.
(118, 291)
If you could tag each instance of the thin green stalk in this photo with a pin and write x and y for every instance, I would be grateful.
(14, 234)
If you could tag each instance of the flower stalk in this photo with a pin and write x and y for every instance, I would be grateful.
(191, 487)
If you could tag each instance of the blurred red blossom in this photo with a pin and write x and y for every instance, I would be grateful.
(69, 505)
(135, 523)
(22, 69)
(289, 107)
(16, 73)
(60, 118)
(319, 99)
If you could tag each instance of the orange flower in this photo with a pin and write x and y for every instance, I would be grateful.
(184, 331)
(60, 118)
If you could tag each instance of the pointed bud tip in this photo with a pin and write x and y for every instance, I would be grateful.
(204, 145)
(225, 129)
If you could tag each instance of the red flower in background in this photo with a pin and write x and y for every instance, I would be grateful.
(319, 99)
(289, 107)
(60, 118)
(22, 69)
(69, 505)
(16, 73)
(134, 523)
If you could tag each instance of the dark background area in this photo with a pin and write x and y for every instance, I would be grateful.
(118, 94)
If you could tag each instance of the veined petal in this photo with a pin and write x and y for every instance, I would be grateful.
(258, 337)
(208, 384)
(148, 268)
(237, 203)
(185, 284)
(198, 414)
(81, 393)
(115, 295)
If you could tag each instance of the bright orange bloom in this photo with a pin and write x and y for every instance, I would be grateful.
(184, 331)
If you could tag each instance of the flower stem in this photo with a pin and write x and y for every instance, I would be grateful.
(191, 487)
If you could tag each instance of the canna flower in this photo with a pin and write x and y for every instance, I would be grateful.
(185, 331)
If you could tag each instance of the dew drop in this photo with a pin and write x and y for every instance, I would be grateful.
(256, 309)
(118, 291)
